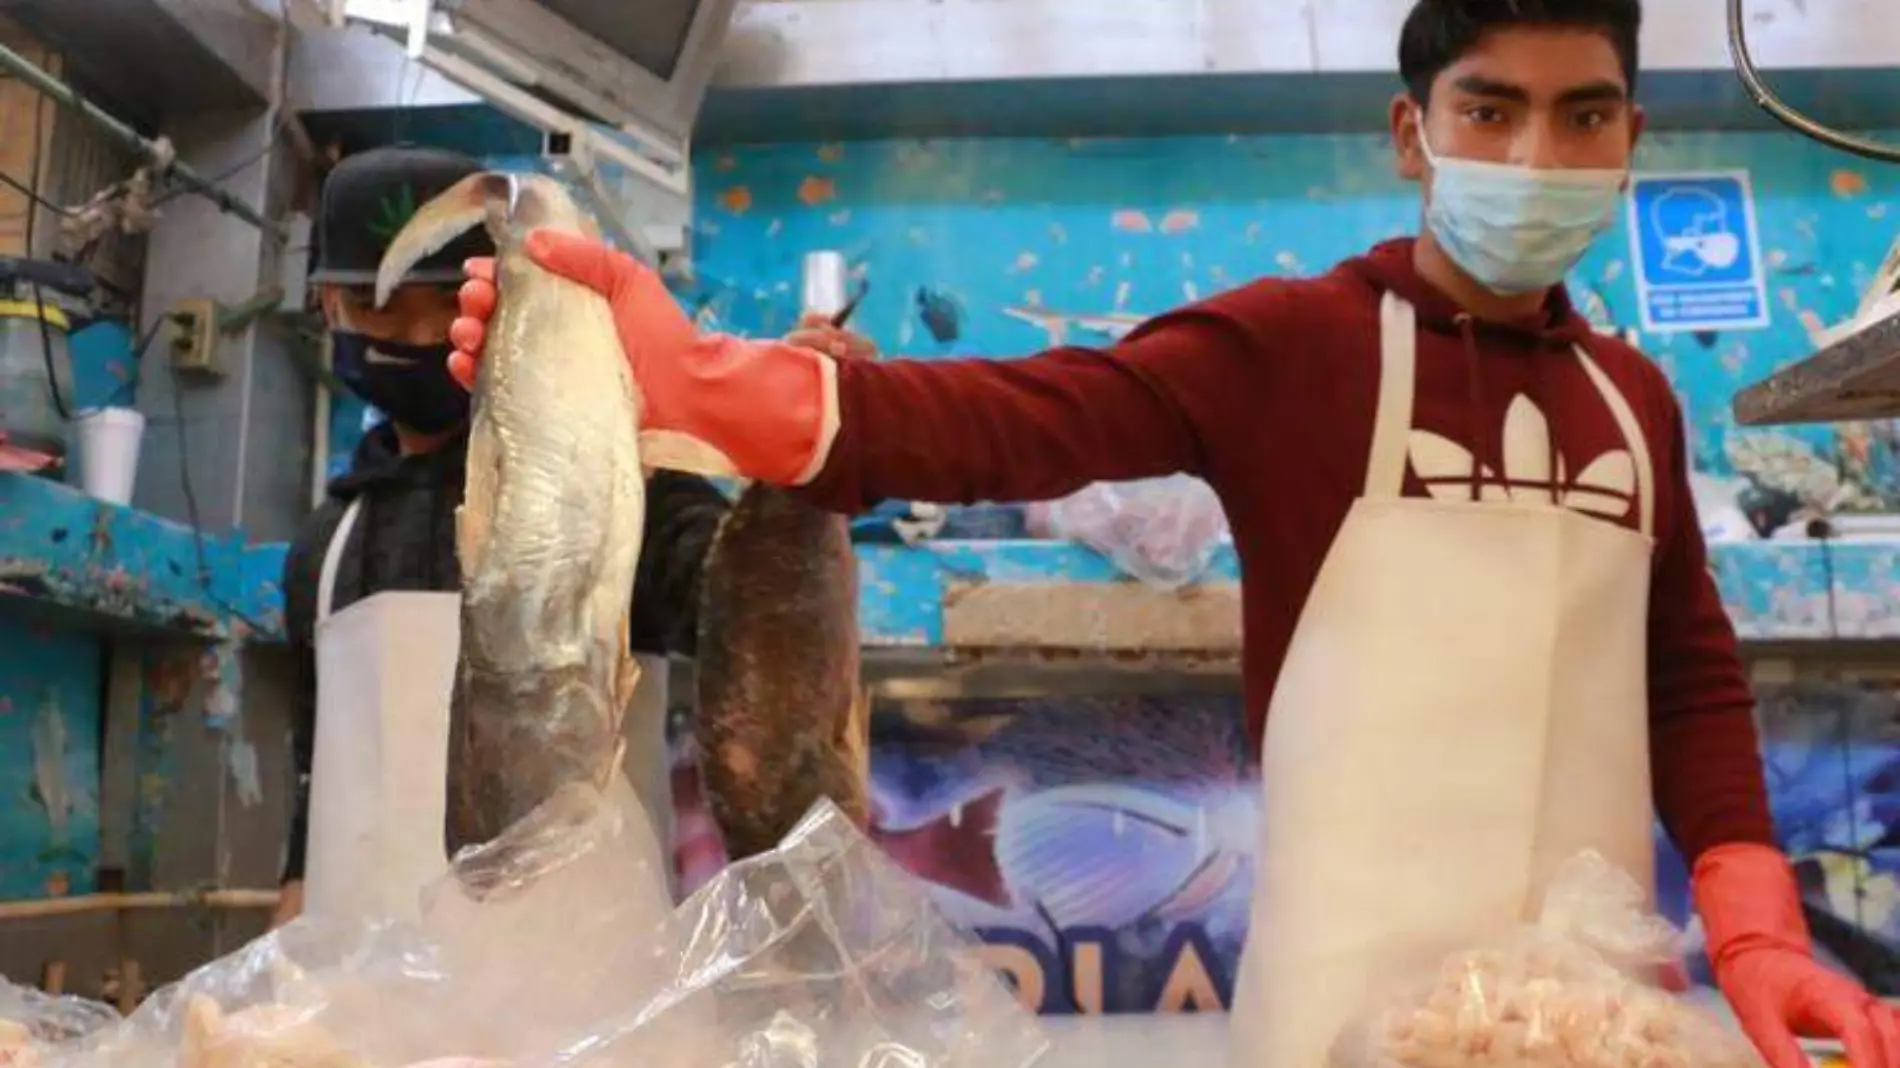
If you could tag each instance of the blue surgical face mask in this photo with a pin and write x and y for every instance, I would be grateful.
(408, 383)
(1515, 229)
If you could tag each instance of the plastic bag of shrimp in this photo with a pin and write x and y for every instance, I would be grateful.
(557, 946)
(1572, 990)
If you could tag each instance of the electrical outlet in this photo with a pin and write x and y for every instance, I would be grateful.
(194, 336)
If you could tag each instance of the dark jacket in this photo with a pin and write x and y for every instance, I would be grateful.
(404, 539)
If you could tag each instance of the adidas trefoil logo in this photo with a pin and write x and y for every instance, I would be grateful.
(1605, 487)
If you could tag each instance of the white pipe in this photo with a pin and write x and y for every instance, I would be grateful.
(527, 108)
(19, 66)
(71, 906)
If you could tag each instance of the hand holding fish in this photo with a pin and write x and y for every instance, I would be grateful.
(817, 332)
(711, 404)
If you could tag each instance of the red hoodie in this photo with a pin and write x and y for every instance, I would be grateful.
(1267, 392)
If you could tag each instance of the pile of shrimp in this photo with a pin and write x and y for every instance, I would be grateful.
(1552, 1005)
(1563, 993)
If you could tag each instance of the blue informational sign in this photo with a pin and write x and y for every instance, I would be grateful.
(1697, 252)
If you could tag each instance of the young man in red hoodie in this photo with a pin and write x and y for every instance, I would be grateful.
(1481, 632)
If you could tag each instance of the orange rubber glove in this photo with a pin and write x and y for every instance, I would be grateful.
(1758, 944)
(713, 404)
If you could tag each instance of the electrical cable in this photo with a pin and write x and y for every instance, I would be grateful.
(1781, 112)
(191, 513)
(32, 197)
(223, 176)
(128, 389)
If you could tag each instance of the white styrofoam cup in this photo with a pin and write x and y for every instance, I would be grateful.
(823, 282)
(108, 452)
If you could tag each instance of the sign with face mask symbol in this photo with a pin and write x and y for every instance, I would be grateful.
(1698, 260)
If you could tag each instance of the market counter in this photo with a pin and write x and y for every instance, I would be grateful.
(65, 553)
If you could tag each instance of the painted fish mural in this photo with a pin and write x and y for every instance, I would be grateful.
(1102, 848)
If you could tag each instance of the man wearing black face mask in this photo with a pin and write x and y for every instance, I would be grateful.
(370, 585)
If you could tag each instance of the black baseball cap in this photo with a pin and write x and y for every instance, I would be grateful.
(370, 195)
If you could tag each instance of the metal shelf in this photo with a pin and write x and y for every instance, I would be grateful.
(71, 559)
(1857, 377)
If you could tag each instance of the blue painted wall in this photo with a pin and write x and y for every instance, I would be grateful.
(1091, 228)
(110, 563)
(51, 687)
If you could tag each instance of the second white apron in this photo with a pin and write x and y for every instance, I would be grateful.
(379, 769)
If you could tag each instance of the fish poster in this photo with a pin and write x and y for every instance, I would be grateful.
(1102, 848)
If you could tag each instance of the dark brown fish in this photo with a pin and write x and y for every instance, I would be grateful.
(781, 720)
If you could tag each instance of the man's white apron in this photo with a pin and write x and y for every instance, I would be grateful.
(379, 770)
(1462, 708)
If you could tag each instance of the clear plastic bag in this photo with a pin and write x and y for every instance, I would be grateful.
(554, 946)
(32, 1022)
(826, 953)
(1162, 531)
(1566, 992)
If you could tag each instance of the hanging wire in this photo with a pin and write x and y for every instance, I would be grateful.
(1779, 110)
(33, 201)
(31, 194)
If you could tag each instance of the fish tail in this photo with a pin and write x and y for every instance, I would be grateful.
(750, 783)
(451, 214)
(756, 806)
(515, 741)
(732, 781)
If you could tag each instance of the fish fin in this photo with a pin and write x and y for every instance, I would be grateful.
(626, 680)
(675, 451)
(612, 769)
(450, 215)
(627, 676)
(475, 515)
(854, 745)
(854, 734)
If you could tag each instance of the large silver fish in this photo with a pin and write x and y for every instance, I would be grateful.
(781, 720)
(549, 530)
